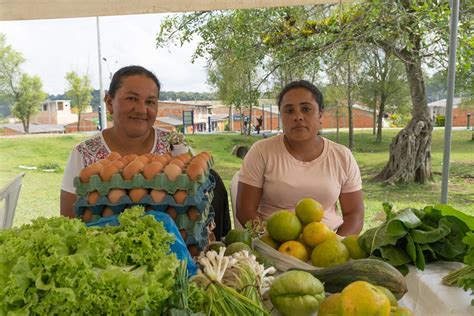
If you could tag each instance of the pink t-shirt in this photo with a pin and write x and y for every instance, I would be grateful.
(285, 180)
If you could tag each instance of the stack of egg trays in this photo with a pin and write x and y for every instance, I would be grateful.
(198, 196)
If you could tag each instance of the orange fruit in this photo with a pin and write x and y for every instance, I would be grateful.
(283, 226)
(363, 298)
(309, 210)
(316, 232)
(329, 253)
(352, 244)
(294, 248)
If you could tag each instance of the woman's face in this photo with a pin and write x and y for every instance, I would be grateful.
(135, 105)
(300, 115)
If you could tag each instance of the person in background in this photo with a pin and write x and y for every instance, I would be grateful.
(259, 124)
(279, 171)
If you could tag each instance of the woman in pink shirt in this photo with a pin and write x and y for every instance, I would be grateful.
(279, 171)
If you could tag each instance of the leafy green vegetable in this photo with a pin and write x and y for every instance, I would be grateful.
(418, 236)
(59, 266)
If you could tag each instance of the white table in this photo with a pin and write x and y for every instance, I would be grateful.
(428, 296)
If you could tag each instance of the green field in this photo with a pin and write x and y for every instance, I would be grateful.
(40, 191)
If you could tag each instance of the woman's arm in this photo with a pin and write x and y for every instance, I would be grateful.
(248, 200)
(66, 204)
(352, 207)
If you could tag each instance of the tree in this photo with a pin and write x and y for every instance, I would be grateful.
(416, 33)
(80, 92)
(10, 72)
(30, 98)
(385, 84)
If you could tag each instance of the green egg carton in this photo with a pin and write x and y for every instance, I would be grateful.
(159, 182)
(200, 199)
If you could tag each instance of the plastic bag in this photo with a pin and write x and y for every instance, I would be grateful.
(178, 247)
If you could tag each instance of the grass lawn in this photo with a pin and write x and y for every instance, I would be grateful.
(40, 191)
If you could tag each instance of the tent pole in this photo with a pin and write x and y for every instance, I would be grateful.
(449, 102)
(103, 117)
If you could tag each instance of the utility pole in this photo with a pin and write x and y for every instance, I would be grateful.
(103, 111)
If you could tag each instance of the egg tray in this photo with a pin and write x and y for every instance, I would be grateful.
(197, 233)
(200, 199)
(160, 181)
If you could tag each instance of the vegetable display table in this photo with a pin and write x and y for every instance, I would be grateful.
(428, 296)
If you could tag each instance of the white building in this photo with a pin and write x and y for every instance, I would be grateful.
(55, 112)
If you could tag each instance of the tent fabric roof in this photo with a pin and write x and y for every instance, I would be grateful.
(52, 9)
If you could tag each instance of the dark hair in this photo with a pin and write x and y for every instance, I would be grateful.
(127, 71)
(318, 96)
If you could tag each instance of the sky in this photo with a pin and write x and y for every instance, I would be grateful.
(54, 47)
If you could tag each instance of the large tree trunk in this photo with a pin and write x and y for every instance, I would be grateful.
(410, 150)
(374, 116)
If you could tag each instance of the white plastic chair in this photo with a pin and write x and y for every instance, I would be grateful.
(234, 185)
(9, 193)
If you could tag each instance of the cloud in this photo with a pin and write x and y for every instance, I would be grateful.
(54, 47)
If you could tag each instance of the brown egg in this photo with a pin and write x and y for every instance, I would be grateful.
(133, 168)
(93, 197)
(161, 159)
(130, 157)
(177, 162)
(87, 172)
(183, 233)
(168, 157)
(115, 195)
(172, 171)
(119, 164)
(193, 213)
(180, 196)
(206, 154)
(137, 194)
(87, 216)
(104, 162)
(149, 156)
(107, 172)
(172, 212)
(124, 160)
(194, 171)
(143, 159)
(193, 250)
(113, 156)
(157, 195)
(200, 161)
(152, 169)
(186, 157)
(107, 212)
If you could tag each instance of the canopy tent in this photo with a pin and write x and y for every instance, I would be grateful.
(50, 9)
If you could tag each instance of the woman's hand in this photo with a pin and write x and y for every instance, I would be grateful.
(67, 203)
(248, 200)
(352, 207)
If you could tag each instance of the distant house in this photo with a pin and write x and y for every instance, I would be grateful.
(54, 112)
(459, 116)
